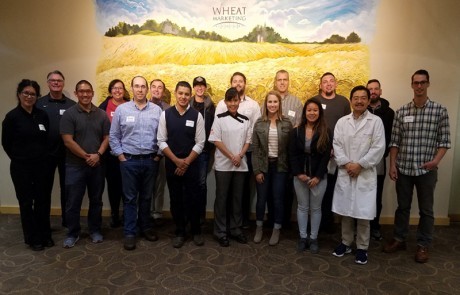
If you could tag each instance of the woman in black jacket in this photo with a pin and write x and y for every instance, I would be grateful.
(24, 139)
(309, 152)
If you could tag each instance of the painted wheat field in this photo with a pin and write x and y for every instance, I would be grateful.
(172, 59)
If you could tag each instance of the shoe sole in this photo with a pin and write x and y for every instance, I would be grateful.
(360, 262)
(348, 251)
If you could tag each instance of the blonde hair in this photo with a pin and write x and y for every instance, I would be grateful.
(279, 115)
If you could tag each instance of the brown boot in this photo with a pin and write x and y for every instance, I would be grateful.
(393, 246)
(421, 256)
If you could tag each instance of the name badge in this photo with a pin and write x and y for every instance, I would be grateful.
(111, 114)
(291, 113)
(61, 112)
(324, 106)
(189, 123)
(130, 119)
(41, 127)
(408, 119)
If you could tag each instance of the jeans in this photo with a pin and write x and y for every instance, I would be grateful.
(425, 185)
(203, 162)
(156, 209)
(272, 188)
(375, 224)
(249, 181)
(78, 178)
(28, 179)
(138, 180)
(184, 196)
(229, 189)
(309, 200)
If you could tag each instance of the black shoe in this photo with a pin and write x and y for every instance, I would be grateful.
(37, 247)
(223, 241)
(241, 238)
(178, 242)
(115, 222)
(129, 243)
(48, 243)
(159, 222)
(150, 235)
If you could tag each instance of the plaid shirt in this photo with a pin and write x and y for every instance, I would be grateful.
(418, 133)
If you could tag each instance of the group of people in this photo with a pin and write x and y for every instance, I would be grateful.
(329, 152)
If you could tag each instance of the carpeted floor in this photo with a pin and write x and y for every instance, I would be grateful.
(158, 268)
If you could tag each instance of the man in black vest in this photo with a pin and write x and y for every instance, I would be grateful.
(181, 137)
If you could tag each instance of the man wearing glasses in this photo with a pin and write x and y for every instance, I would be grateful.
(133, 139)
(55, 103)
(419, 140)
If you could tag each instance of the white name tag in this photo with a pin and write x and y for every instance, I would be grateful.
(408, 119)
(111, 114)
(41, 127)
(130, 119)
(291, 113)
(324, 106)
(61, 112)
(189, 123)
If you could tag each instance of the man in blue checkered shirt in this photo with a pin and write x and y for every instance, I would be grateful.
(419, 140)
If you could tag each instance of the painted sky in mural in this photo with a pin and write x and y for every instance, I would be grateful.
(297, 20)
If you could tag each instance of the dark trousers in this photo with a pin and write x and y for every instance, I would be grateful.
(78, 178)
(185, 203)
(327, 219)
(375, 224)
(249, 182)
(51, 164)
(28, 180)
(114, 185)
(203, 162)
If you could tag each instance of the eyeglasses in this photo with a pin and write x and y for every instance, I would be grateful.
(81, 91)
(55, 80)
(419, 83)
(117, 88)
(28, 94)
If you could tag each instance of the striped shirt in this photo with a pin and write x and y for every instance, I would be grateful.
(273, 142)
(418, 133)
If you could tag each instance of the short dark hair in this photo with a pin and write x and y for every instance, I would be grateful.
(231, 93)
(238, 74)
(139, 76)
(373, 81)
(360, 87)
(158, 80)
(26, 82)
(81, 82)
(115, 81)
(183, 84)
(421, 72)
(326, 74)
(57, 72)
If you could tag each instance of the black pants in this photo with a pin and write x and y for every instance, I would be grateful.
(184, 197)
(327, 218)
(28, 179)
(114, 185)
(51, 164)
(375, 224)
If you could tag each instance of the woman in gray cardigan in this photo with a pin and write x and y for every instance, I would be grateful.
(270, 142)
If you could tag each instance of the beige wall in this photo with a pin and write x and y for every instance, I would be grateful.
(39, 36)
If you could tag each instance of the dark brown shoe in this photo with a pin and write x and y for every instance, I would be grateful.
(421, 256)
(393, 246)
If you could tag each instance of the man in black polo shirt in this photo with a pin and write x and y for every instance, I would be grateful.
(181, 137)
(55, 103)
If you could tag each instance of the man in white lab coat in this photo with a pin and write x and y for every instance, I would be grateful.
(359, 145)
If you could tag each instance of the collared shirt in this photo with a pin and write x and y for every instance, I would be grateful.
(292, 109)
(134, 130)
(199, 133)
(248, 107)
(418, 133)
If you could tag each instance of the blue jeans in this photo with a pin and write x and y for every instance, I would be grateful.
(273, 187)
(78, 178)
(425, 185)
(203, 162)
(138, 180)
(309, 200)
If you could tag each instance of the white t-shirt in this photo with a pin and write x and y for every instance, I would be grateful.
(234, 133)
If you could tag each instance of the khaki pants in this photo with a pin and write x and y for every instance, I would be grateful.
(362, 232)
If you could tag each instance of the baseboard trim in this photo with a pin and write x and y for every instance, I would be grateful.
(210, 215)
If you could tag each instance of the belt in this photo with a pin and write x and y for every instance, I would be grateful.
(139, 157)
(272, 160)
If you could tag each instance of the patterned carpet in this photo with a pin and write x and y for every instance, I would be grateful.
(158, 268)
